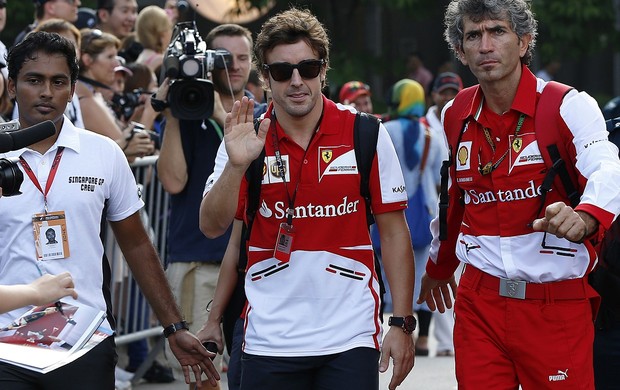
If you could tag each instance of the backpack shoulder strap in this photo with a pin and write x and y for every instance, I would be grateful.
(551, 143)
(365, 136)
(454, 131)
(254, 177)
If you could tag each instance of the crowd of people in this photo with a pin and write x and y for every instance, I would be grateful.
(283, 253)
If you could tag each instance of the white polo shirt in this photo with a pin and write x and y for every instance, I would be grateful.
(93, 180)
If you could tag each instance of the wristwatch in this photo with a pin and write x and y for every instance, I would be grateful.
(158, 105)
(407, 324)
(170, 329)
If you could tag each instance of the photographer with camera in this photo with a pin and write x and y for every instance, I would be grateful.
(75, 178)
(98, 61)
(141, 85)
(191, 137)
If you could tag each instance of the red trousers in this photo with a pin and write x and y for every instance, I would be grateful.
(538, 343)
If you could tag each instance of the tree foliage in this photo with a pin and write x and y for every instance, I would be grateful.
(574, 28)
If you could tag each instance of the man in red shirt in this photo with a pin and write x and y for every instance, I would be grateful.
(524, 310)
(312, 319)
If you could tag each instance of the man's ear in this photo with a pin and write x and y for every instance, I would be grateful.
(266, 80)
(103, 15)
(524, 44)
(11, 88)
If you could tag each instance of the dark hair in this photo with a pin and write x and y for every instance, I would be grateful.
(288, 27)
(42, 42)
(106, 4)
(516, 12)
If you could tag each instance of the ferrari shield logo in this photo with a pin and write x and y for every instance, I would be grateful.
(517, 144)
(326, 155)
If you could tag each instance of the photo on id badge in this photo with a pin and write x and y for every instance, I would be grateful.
(50, 236)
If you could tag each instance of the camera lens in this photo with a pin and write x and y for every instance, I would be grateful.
(191, 99)
(11, 177)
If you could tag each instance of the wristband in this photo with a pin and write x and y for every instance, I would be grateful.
(158, 105)
(170, 329)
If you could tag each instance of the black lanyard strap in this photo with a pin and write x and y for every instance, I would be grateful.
(290, 211)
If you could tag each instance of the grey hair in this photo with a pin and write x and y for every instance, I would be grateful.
(517, 12)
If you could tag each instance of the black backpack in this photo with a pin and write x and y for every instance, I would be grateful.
(365, 135)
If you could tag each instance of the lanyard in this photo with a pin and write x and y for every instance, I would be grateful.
(490, 167)
(50, 179)
(290, 211)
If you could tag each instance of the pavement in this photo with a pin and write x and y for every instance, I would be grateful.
(429, 373)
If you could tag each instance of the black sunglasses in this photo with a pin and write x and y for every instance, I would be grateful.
(283, 71)
(2, 4)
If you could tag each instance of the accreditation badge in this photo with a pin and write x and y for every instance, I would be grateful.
(50, 235)
(284, 243)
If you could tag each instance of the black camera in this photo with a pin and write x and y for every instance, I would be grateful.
(11, 178)
(124, 104)
(139, 128)
(187, 63)
(12, 138)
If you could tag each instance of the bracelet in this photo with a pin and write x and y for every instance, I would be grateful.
(158, 105)
(170, 329)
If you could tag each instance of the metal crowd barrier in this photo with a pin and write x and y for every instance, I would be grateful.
(134, 320)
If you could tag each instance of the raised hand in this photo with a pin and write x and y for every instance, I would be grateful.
(243, 143)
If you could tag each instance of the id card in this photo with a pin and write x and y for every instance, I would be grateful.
(50, 235)
(284, 242)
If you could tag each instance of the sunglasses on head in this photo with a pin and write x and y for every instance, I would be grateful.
(2, 4)
(283, 71)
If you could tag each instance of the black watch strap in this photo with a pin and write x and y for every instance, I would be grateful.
(158, 105)
(170, 329)
(407, 324)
